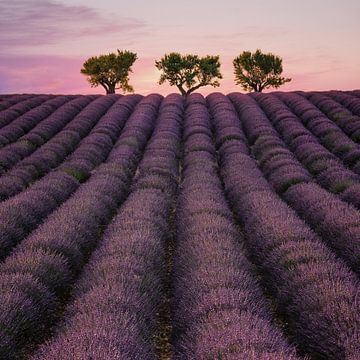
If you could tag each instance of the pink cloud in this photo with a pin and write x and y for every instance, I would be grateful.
(32, 23)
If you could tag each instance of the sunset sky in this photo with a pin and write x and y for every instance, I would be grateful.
(44, 43)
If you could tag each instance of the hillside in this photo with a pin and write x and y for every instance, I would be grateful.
(150, 227)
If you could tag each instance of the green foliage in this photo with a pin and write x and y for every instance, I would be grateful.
(28, 143)
(288, 184)
(110, 71)
(342, 185)
(258, 71)
(80, 176)
(189, 71)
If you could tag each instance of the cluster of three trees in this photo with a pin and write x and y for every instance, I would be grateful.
(253, 71)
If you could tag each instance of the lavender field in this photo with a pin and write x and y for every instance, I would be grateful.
(151, 227)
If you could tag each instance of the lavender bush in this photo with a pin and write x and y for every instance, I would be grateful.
(86, 154)
(23, 124)
(55, 260)
(307, 280)
(113, 314)
(22, 213)
(9, 100)
(341, 116)
(350, 102)
(139, 227)
(340, 219)
(21, 107)
(329, 134)
(43, 132)
(327, 169)
(219, 309)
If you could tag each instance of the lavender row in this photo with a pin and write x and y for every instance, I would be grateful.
(6, 96)
(229, 139)
(20, 108)
(44, 133)
(315, 294)
(337, 113)
(354, 93)
(219, 309)
(95, 147)
(350, 102)
(328, 133)
(43, 267)
(327, 169)
(338, 223)
(10, 100)
(22, 213)
(275, 159)
(23, 124)
(113, 315)
(54, 151)
(28, 143)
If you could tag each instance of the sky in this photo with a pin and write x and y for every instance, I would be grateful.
(43, 43)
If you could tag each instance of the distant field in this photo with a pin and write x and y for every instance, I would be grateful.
(150, 227)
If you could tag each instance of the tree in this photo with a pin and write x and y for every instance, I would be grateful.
(189, 71)
(110, 71)
(258, 71)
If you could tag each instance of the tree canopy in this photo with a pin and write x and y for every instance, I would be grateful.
(110, 71)
(258, 71)
(189, 72)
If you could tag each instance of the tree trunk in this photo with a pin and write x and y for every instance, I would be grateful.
(190, 91)
(110, 89)
(183, 92)
(105, 87)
